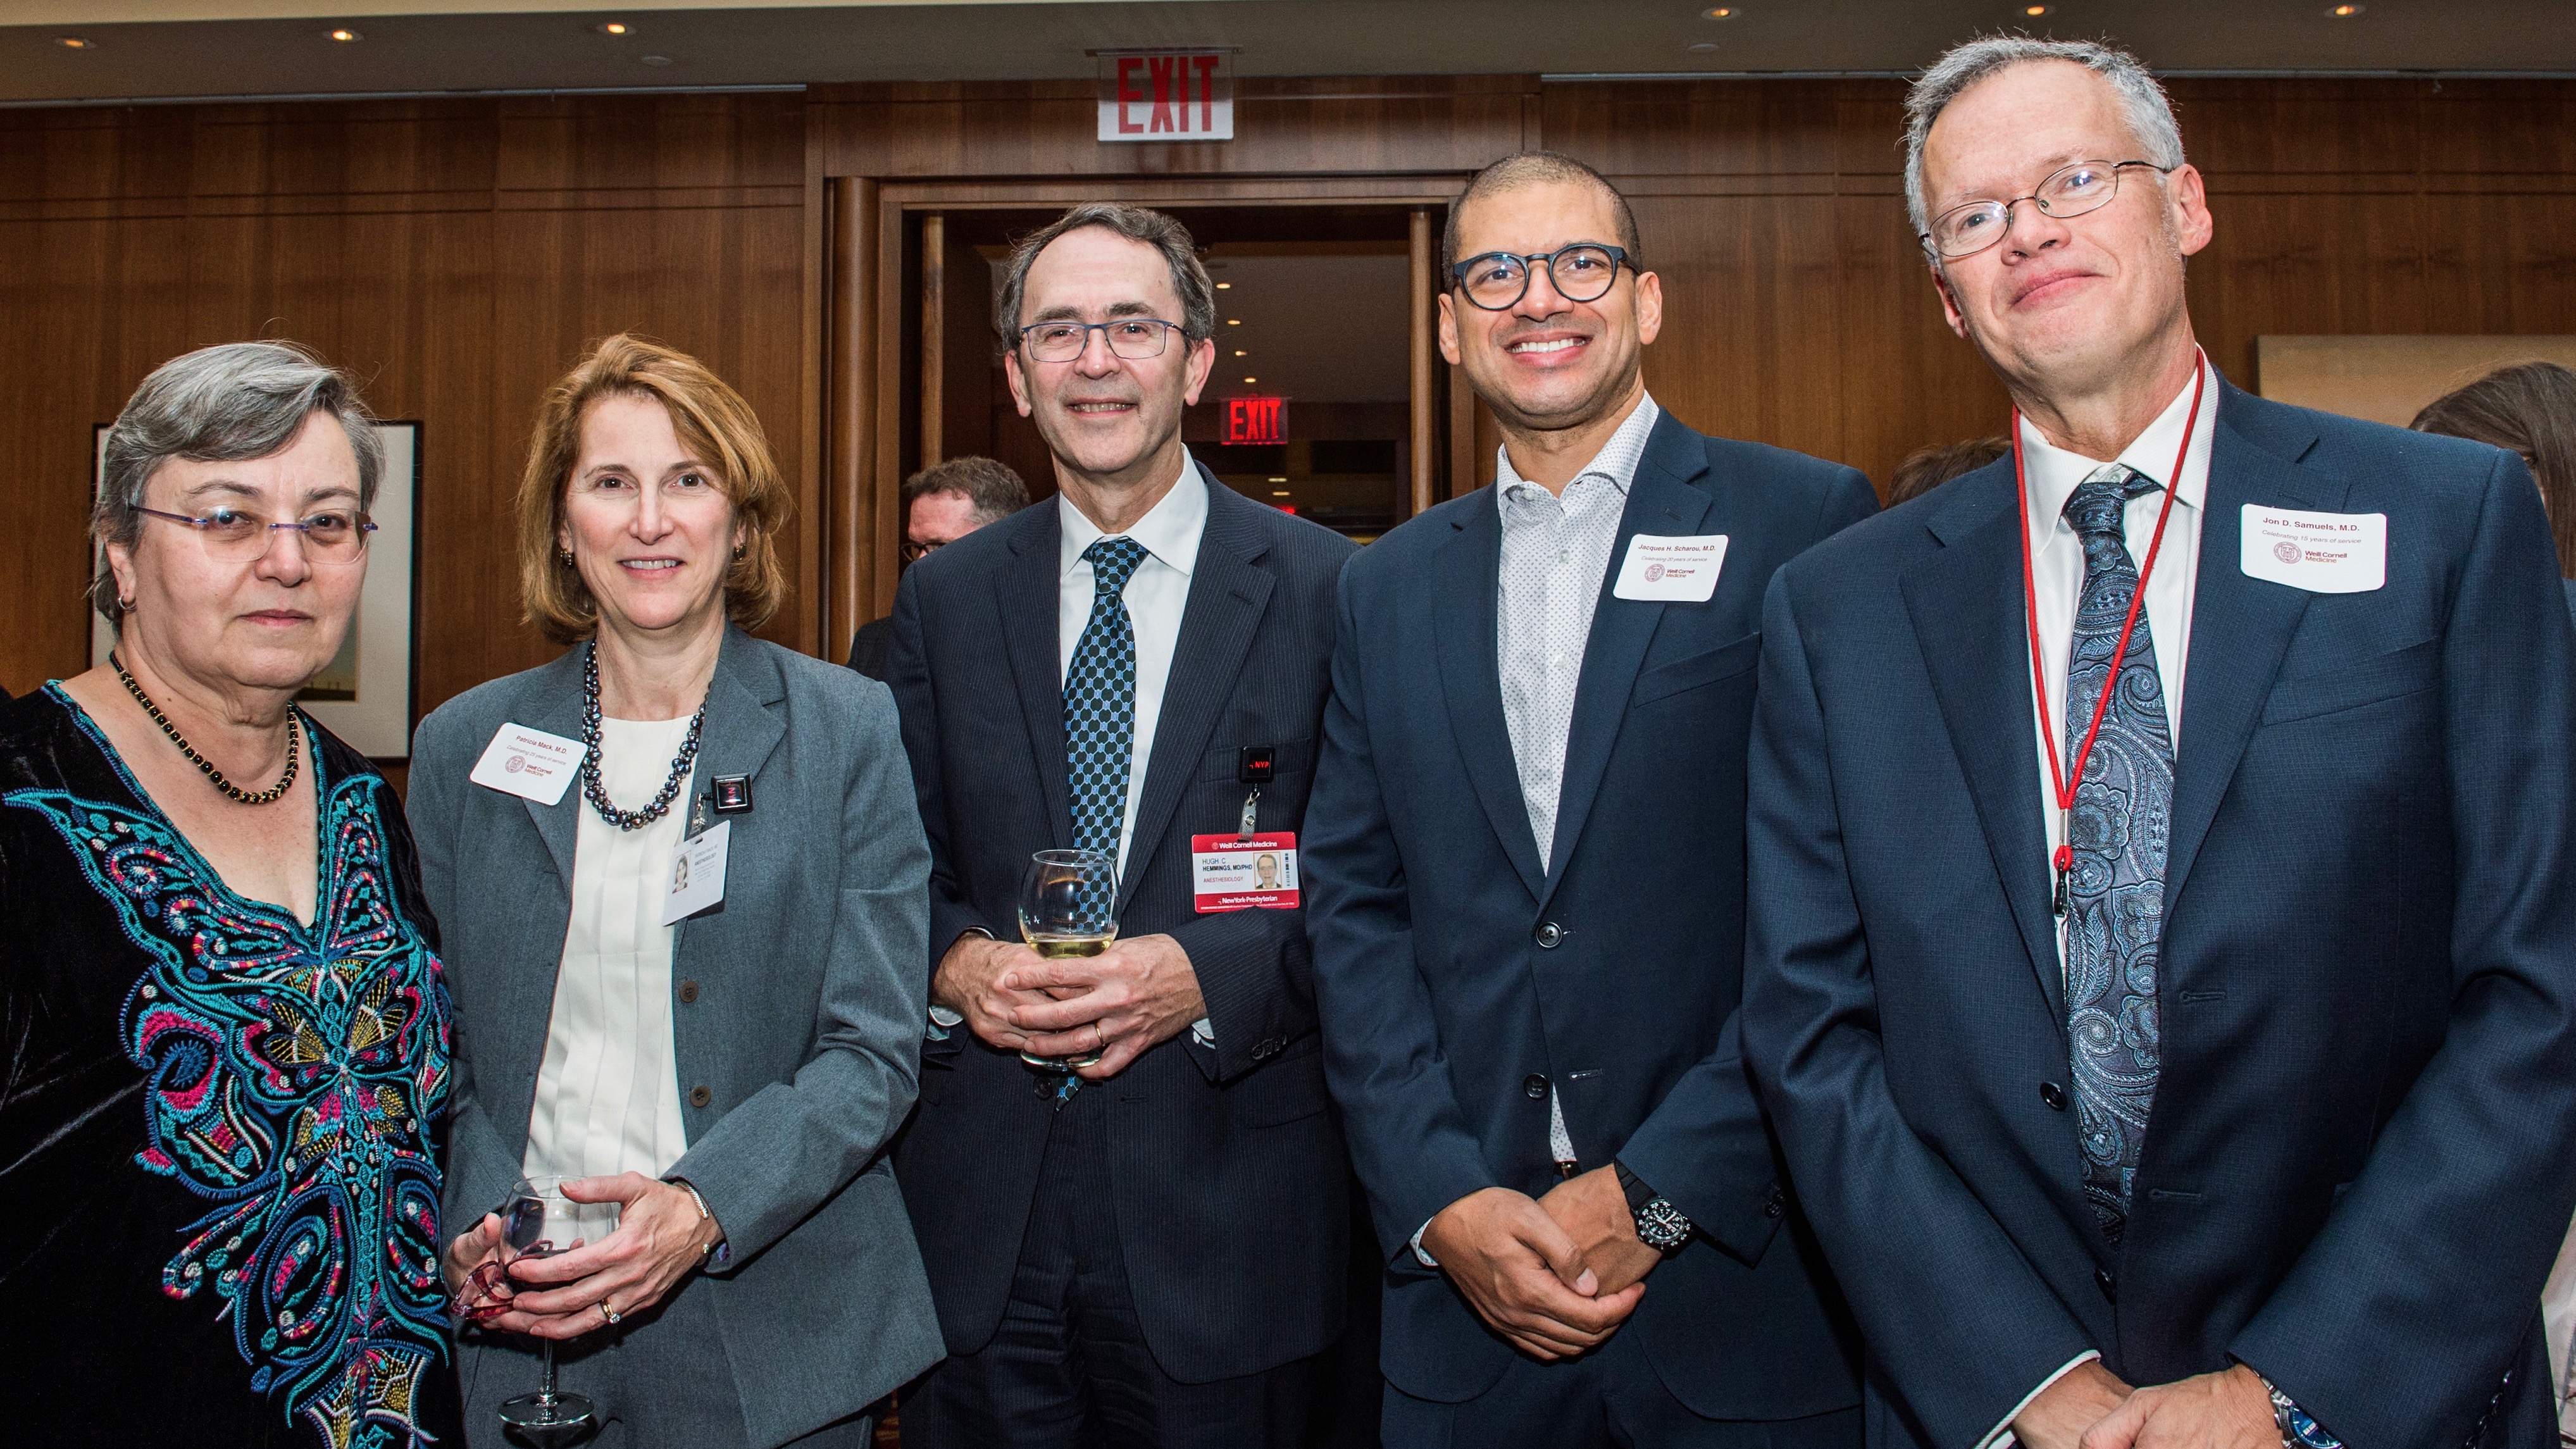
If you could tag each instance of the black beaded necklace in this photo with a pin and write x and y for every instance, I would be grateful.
(269, 796)
(596, 793)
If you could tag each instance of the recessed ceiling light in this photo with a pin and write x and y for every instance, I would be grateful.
(1722, 12)
(346, 36)
(657, 60)
(1278, 492)
(1701, 46)
(1239, 352)
(2036, 11)
(1278, 480)
(616, 27)
(2344, 12)
(1233, 321)
(1225, 286)
(1252, 379)
(74, 42)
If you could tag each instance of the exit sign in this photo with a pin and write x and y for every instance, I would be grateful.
(1256, 420)
(1167, 95)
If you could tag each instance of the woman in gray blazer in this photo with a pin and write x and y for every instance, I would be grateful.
(731, 1081)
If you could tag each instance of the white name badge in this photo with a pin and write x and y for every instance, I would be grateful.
(1671, 570)
(696, 877)
(2323, 553)
(532, 763)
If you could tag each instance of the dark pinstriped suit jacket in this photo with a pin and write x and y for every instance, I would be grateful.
(1228, 1170)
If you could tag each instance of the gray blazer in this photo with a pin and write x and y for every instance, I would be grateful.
(798, 1011)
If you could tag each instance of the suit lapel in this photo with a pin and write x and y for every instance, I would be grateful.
(1661, 501)
(1973, 630)
(1027, 595)
(2240, 627)
(1229, 592)
(1467, 571)
(552, 702)
(741, 727)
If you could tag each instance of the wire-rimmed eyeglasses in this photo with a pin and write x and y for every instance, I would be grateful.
(1582, 272)
(236, 535)
(2069, 191)
(1133, 338)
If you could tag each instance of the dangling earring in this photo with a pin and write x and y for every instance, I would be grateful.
(564, 556)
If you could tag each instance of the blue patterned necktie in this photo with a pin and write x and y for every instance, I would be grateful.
(2116, 887)
(1100, 699)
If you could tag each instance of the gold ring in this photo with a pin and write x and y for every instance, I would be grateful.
(607, 1312)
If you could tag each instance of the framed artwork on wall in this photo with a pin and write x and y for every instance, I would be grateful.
(364, 695)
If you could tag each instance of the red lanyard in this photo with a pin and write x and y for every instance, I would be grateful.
(2060, 780)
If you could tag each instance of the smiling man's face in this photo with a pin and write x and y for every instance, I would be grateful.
(1109, 419)
(2060, 304)
(1545, 363)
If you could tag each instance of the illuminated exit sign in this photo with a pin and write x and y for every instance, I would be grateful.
(1256, 420)
(1166, 95)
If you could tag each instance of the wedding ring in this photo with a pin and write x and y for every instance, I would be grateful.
(1099, 1041)
(608, 1312)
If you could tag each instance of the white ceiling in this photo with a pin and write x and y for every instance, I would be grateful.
(143, 49)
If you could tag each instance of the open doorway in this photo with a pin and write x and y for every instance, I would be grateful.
(1311, 407)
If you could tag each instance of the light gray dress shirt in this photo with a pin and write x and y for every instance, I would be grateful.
(1556, 552)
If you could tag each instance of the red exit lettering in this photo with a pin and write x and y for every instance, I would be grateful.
(1256, 420)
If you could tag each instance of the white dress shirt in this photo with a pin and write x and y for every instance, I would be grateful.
(2057, 577)
(2558, 1323)
(1555, 553)
(608, 1088)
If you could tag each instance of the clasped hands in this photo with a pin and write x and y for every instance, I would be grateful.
(1139, 993)
(2090, 1408)
(659, 1238)
(1555, 1275)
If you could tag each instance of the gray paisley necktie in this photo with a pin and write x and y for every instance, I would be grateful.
(2116, 885)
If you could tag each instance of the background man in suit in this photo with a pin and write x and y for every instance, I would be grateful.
(941, 504)
(1526, 852)
(1145, 1253)
(2263, 1077)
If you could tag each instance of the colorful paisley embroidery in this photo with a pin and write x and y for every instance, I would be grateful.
(294, 1078)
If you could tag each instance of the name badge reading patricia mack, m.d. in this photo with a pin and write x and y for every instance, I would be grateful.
(529, 763)
(1239, 872)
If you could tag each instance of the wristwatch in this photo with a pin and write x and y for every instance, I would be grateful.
(2298, 1428)
(1660, 1225)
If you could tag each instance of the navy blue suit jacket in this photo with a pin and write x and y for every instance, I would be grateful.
(2357, 1170)
(1460, 976)
(1229, 1175)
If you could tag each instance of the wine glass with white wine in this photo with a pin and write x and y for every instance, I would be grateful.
(1068, 907)
(539, 1221)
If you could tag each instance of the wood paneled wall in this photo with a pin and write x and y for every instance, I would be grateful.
(457, 254)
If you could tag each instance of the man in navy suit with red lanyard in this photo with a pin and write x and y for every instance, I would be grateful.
(2166, 1056)
(1526, 847)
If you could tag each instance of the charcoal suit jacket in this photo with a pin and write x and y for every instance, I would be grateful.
(1227, 1168)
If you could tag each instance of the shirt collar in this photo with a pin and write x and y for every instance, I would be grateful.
(1169, 530)
(2052, 473)
(1615, 464)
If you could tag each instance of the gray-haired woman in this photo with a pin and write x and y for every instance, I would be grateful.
(223, 1031)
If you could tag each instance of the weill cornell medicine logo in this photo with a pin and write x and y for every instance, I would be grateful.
(516, 763)
(2286, 551)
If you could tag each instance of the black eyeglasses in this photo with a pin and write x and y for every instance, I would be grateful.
(1582, 272)
(1133, 338)
(916, 552)
(1964, 231)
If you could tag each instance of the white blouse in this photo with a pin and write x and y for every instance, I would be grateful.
(608, 1093)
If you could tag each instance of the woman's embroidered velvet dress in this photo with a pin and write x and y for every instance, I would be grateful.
(218, 1174)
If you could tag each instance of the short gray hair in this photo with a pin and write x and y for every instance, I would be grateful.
(1136, 223)
(220, 404)
(2151, 117)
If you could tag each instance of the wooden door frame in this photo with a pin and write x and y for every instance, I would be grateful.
(863, 391)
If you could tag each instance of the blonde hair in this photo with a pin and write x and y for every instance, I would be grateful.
(713, 423)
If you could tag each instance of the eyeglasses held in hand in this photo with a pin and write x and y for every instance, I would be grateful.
(1582, 272)
(1964, 231)
(234, 535)
(1133, 338)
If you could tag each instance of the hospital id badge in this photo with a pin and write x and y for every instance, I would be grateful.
(1239, 872)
